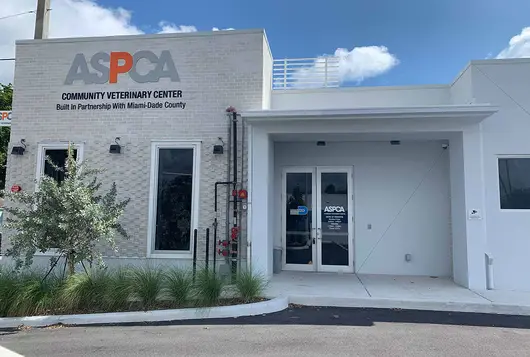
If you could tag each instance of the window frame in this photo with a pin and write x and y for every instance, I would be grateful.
(505, 157)
(41, 157)
(195, 145)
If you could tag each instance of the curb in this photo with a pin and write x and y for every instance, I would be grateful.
(259, 308)
(417, 304)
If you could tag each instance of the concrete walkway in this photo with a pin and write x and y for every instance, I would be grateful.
(384, 291)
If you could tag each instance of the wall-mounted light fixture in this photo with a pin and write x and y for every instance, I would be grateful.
(115, 148)
(321, 143)
(219, 149)
(395, 142)
(19, 149)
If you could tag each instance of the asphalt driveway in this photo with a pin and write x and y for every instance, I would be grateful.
(294, 332)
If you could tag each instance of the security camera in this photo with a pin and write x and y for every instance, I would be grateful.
(445, 146)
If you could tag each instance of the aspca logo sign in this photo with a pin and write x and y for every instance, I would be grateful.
(334, 209)
(106, 67)
(5, 116)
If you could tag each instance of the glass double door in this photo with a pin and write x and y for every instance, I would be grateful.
(317, 219)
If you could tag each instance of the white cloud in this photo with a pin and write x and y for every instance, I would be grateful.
(218, 29)
(344, 66)
(167, 27)
(364, 62)
(68, 18)
(519, 46)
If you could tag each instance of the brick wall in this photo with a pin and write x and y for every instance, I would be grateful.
(216, 70)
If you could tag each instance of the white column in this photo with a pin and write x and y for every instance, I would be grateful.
(475, 200)
(260, 203)
(467, 194)
(458, 209)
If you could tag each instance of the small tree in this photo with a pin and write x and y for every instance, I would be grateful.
(68, 216)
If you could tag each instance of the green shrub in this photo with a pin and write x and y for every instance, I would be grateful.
(28, 293)
(250, 286)
(87, 291)
(8, 289)
(146, 285)
(119, 290)
(208, 287)
(179, 286)
(36, 295)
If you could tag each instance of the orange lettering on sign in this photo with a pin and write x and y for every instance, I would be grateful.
(117, 68)
(4, 115)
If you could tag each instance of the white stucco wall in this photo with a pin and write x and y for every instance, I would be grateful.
(462, 87)
(260, 201)
(267, 74)
(507, 84)
(368, 97)
(402, 191)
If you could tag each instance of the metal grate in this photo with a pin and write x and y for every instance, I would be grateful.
(301, 73)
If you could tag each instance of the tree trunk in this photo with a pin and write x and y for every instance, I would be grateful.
(70, 262)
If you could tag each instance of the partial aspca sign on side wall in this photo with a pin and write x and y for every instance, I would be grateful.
(5, 117)
(105, 67)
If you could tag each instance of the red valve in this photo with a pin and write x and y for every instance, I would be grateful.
(234, 193)
(16, 188)
(224, 253)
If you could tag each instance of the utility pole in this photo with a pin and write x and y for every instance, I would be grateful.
(42, 19)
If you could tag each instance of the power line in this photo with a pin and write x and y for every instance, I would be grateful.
(19, 14)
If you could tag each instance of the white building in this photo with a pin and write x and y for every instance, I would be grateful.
(420, 180)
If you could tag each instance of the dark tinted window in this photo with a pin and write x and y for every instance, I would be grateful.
(59, 158)
(514, 183)
(174, 199)
(299, 243)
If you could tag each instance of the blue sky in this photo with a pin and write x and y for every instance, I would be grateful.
(432, 40)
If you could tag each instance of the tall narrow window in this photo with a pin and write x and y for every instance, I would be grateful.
(174, 196)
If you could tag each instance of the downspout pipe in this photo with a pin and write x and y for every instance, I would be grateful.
(235, 197)
(228, 187)
(232, 112)
(240, 218)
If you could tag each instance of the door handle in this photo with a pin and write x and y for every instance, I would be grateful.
(313, 234)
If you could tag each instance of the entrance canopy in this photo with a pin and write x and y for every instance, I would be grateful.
(277, 139)
(463, 113)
